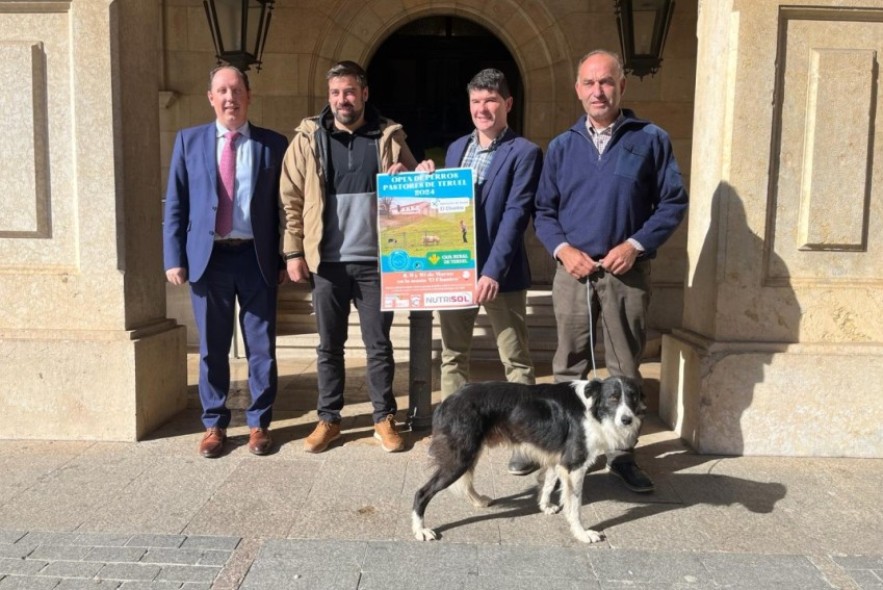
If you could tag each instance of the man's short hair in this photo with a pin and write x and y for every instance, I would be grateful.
(620, 69)
(490, 79)
(242, 75)
(348, 69)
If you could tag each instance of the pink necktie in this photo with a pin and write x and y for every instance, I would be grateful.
(227, 173)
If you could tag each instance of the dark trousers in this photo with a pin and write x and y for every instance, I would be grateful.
(335, 285)
(619, 307)
(232, 274)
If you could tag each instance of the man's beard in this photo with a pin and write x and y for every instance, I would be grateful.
(347, 118)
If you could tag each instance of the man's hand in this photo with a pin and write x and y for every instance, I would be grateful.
(396, 167)
(486, 290)
(577, 263)
(177, 275)
(298, 270)
(283, 277)
(427, 166)
(621, 259)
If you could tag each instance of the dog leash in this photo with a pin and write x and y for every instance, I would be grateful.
(591, 325)
(592, 321)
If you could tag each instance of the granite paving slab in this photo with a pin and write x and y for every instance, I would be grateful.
(72, 560)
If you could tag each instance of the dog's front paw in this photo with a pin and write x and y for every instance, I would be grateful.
(587, 535)
(550, 508)
(426, 535)
(480, 501)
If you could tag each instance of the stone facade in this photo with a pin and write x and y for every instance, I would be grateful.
(771, 291)
(780, 349)
(84, 339)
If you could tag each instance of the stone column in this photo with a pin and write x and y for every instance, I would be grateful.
(85, 348)
(780, 351)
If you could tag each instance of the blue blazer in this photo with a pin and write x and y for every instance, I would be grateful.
(192, 201)
(503, 207)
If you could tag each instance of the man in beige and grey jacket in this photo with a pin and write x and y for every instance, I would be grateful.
(329, 238)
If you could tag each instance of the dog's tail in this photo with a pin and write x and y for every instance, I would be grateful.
(457, 436)
(446, 451)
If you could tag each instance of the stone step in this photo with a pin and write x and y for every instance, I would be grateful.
(305, 323)
(298, 337)
(297, 328)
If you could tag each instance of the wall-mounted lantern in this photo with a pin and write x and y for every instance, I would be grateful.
(239, 30)
(643, 27)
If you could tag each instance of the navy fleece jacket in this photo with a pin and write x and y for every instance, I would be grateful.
(633, 190)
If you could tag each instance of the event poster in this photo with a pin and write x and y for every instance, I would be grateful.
(427, 240)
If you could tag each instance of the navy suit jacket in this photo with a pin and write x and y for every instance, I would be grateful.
(504, 205)
(192, 200)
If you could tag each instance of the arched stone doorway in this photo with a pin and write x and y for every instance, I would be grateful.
(537, 48)
(418, 77)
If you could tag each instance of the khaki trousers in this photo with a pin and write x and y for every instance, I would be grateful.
(507, 314)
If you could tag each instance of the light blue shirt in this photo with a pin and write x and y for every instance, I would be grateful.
(244, 181)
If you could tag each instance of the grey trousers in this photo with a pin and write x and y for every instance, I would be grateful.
(619, 306)
(507, 314)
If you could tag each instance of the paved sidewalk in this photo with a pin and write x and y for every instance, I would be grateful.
(154, 562)
(154, 515)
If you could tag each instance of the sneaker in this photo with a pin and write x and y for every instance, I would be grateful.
(521, 465)
(324, 434)
(385, 431)
(632, 476)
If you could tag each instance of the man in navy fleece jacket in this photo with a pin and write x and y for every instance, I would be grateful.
(610, 195)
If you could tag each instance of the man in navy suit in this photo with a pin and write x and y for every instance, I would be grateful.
(506, 170)
(221, 233)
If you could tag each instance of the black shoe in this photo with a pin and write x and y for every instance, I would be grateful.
(520, 465)
(632, 476)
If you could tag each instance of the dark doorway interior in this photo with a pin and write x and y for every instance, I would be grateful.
(419, 74)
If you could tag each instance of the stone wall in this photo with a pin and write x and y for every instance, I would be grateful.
(84, 339)
(782, 341)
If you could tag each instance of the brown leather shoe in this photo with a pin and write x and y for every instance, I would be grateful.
(323, 435)
(212, 443)
(259, 441)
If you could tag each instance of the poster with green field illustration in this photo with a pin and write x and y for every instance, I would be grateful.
(427, 248)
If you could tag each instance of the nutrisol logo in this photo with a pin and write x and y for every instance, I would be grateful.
(448, 299)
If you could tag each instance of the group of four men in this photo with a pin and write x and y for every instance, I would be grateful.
(607, 196)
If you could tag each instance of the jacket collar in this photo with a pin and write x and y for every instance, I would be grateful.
(629, 119)
(371, 128)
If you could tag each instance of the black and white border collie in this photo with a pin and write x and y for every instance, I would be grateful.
(563, 426)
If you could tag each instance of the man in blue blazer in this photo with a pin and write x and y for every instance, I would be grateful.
(506, 170)
(221, 233)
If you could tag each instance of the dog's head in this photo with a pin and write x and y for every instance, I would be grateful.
(619, 402)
